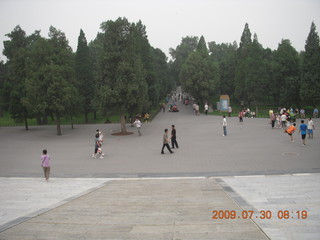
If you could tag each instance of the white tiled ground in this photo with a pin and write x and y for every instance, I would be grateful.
(294, 193)
(21, 197)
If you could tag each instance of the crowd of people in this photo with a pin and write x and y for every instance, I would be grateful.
(286, 119)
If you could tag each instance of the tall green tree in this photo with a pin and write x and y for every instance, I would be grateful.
(123, 84)
(39, 58)
(162, 70)
(84, 83)
(60, 76)
(180, 54)
(225, 55)
(256, 74)
(310, 81)
(143, 49)
(199, 75)
(16, 51)
(4, 93)
(287, 74)
(241, 69)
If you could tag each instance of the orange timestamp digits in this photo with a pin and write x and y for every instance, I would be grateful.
(263, 214)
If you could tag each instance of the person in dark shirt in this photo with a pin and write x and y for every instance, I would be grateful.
(174, 137)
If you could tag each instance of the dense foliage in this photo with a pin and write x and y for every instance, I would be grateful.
(250, 74)
(120, 72)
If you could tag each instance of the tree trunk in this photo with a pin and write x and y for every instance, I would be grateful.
(45, 119)
(71, 121)
(94, 114)
(58, 124)
(39, 121)
(26, 123)
(123, 124)
(86, 120)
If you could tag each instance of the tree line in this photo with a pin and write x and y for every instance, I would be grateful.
(118, 71)
(249, 73)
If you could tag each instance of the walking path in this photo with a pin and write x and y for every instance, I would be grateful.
(207, 173)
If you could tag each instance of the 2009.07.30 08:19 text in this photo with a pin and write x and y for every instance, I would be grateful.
(263, 214)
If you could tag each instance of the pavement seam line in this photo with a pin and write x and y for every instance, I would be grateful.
(225, 186)
(39, 212)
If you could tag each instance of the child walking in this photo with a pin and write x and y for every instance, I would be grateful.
(45, 164)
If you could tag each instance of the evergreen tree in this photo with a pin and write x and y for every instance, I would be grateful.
(4, 93)
(16, 51)
(225, 55)
(256, 74)
(84, 76)
(310, 82)
(241, 69)
(123, 84)
(287, 74)
(199, 75)
(163, 72)
(180, 55)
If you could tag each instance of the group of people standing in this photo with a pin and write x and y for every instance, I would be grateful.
(285, 119)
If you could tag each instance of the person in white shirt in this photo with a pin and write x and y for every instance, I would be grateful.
(206, 108)
(310, 128)
(229, 111)
(224, 125)
(283, 121)
(137, 123)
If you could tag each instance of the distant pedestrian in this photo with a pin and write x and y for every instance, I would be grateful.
(315, 112)
(302, 113)
(303, 130)
(45, 158)
(240, 116)
(97, 146)
(272, 119)
(224, 126)
(137, 123)
(229, 111)
(291, 129)
(283, 121)
(166, 142)
(206, 108)
(147, 118)
(310, 128)
(174, 137)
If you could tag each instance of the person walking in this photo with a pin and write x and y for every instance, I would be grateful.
(303, 130)
(147, 118)
(291, 129)
(97, 145)
(137, 123)
(224, 125)
(166, 142)
(45, 164)
(174, 137)
(283, 121)
(206, 108)
(229, 111)
(272, 119)
(302, 113)
(310, 128)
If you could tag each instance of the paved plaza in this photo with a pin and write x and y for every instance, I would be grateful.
(137, 193)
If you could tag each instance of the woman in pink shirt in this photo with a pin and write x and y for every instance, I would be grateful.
(45, 158)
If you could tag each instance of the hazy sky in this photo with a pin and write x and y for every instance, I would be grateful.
(167, 21)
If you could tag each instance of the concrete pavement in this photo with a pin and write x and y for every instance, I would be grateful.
(160, 208)
(137, 193)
